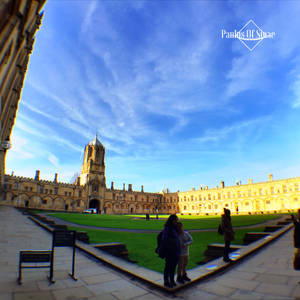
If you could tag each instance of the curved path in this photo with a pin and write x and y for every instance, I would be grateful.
(63, 222)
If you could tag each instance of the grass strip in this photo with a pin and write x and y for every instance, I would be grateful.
(141, 246)
(129, 222)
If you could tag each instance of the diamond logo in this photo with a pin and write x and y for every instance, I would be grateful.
(250, 35)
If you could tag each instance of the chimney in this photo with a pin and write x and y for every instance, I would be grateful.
(222, 184)
(129, 187)
(78, 180)
(123, 186)
(142, 189)
(55, 178)
(112, 185)
(270, 177)
(37, 175)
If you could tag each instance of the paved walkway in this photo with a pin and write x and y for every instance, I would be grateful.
(266, 275)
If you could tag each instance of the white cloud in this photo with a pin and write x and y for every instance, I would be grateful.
(53, 160)
(20, 149)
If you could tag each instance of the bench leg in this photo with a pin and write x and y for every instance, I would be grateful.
(20, 271)
(73, 265)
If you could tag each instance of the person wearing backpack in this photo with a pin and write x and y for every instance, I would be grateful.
(185, 240)
(171, 245)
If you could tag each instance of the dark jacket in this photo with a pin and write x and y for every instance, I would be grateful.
(227, 228)
(171, 242)
(296, 233)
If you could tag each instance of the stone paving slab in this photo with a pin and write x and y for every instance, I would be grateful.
(265, 275)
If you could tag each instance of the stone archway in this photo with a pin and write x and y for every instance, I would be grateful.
(94, 203)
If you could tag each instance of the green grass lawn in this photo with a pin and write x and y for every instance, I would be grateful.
(130, 222)
(141, 246)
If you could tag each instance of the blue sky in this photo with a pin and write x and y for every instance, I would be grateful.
(175, 105)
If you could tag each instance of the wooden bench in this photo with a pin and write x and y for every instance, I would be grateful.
(35, 257)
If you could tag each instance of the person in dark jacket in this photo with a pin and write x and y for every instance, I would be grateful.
(296, 230)
(228, 233)
(296, 222)
(171, 244)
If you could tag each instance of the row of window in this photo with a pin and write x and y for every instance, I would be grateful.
(44, 201)
(137, 207)
(226, 205)
(42, 190)
(250, 193)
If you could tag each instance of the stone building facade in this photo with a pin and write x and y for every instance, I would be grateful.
(90, 191)
(19, 21)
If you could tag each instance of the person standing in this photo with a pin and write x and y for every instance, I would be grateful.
(296, 241)
(171, 245)
(228, 233)
(185, 240)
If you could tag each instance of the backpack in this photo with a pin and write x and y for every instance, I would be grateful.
(160, 249)
(220, 230)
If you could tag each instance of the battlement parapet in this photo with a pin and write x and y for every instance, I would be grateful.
(41, 181)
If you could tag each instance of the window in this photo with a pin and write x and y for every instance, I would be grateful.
(193, 207)
(249, 193)
(209, 197)
(31, 189)
(296, 187)
(260, 192)
(219, 196)
(226, 205)
(247, 203)
(41, 189)
(192, 198)
(69, 193)
(16, 185)
(295, 200)
(46, 191)
(284, 188)
(268, 202)
(272, 190)
(216, 206)
(184, 208)
(209, 206)
(228, 194)
(50, 191)
(26, 188)
(44, 201)
(79, 193)
(66, 193)
(55, 191)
